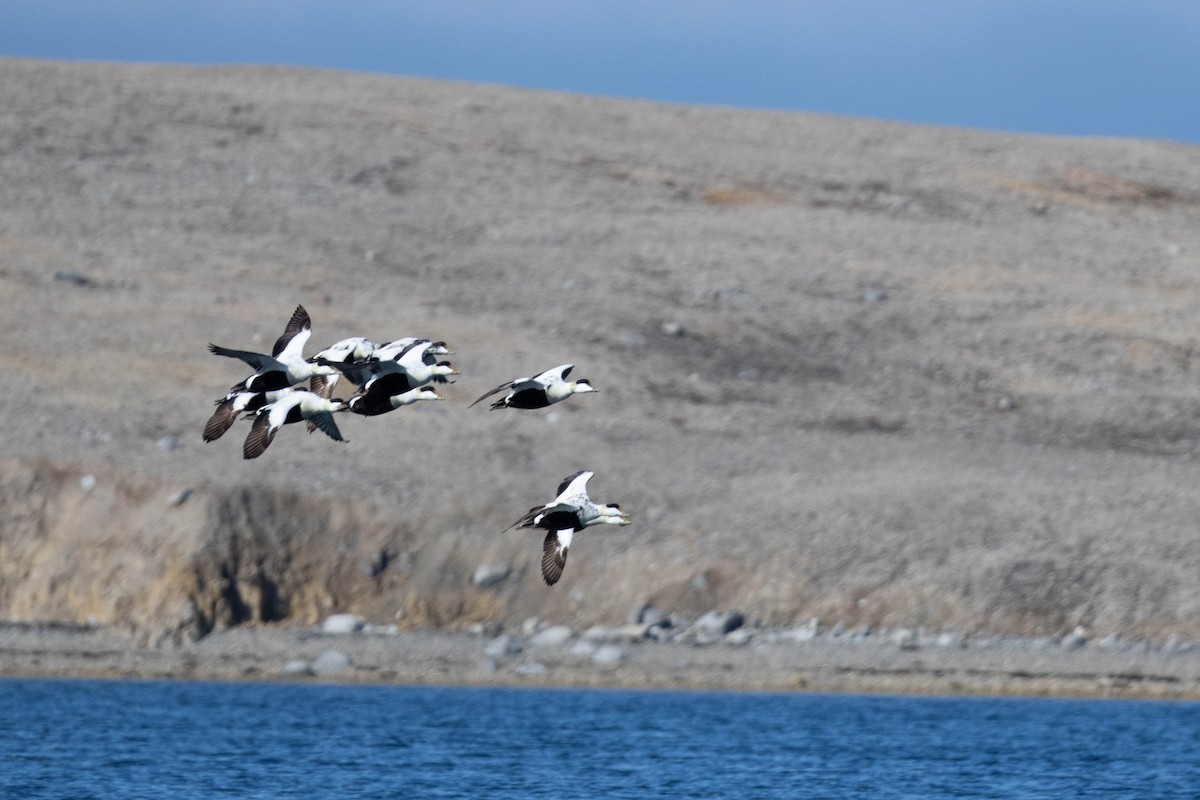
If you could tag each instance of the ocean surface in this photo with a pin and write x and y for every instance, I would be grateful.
(125, 740)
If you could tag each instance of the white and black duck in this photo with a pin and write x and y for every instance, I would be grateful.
(286, 365)
(569, 512)
(233, 405)
(541, 390)
(406, 368)
(374, 403)
(295, 407)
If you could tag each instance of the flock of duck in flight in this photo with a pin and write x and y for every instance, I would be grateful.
(389, 376)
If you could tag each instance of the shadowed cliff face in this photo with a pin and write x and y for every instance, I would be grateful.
(271, 556)
(865, 372)
(122, 554)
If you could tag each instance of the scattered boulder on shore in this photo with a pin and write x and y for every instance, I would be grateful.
(805, 633)
(503, 645)
(297, 668)
(340, 624)
(646, 614)
(1075, 639)
(712, 625)
(554, 636)
(608, 655)
(330, 662)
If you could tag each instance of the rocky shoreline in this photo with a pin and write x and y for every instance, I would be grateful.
(626, 656)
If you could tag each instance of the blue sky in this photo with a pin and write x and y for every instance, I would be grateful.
(1079, 67)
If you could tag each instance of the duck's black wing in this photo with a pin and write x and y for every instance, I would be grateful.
(299, 322)
(498, 389)
(554, 555)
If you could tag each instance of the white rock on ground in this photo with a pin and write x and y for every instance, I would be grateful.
(489, 575)
(331, 662)
(608, 655)
(530, 668)
(297, 667)
(805, 633)
(502, 645)
(739, 638)
(342, 624)
(554, 636)
(715, 624)
(1075, 639)
(620, 633)
(583, 648)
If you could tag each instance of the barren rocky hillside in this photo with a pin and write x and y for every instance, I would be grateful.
(852, 370)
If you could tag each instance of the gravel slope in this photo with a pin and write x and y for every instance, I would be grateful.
(875, 374)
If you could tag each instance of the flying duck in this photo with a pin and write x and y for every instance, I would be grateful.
(233, 405)
(406, 368)
(286, 365)
(568, 513)
(541, 390)
(389, 350)
(294, 407)
(345, 351)
(374, 403)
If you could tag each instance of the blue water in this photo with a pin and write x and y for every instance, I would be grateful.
(122, 740)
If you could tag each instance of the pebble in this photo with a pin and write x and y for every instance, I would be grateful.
(530, 668)
(949, 639)
(620, 633)
(487, 575)
(647, 615)
(1075, 639)
(72, 277)
(297, 668)
(583, 648)
(739, 638)
(663, 632)
(342, 624)
(374, 565)
(554, 636)
(714, 624)
(1177, 644)
(331, 662)
(608, 655)
(600, 633)
(169, 443)
(179, 498)
(87, 482)
(489, 629)
(502, 645)
(805, 633)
